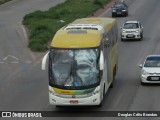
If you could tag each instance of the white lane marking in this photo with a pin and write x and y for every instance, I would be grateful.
(28, 62)
(15, 62)
(13, 57)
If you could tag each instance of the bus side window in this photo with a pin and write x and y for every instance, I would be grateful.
(110, 38)
(106, 40)
(116, 32)
(113, 36)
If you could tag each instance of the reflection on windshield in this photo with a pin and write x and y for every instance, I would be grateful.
(152, 62)
(131, 26)
(74, 67)
(119, 6)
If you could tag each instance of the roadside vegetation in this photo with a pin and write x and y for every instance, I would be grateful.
(3, 1)
(42, 25)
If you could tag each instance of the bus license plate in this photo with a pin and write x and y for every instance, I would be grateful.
(73, 101)
(154, 78)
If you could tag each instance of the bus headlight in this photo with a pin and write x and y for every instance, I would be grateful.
(51, 91)
(97, 90)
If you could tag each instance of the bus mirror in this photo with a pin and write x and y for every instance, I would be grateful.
(101, 61)
(44, 61)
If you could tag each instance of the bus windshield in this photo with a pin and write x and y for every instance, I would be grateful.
(74, 68)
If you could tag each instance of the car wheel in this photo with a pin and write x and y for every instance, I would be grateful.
(122, 39)
(140, 39)
(113, 15)
(141, 35)
(58, 106)
(142, 83)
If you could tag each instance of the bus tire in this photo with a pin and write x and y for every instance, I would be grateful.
(114, 73)
(111, 86)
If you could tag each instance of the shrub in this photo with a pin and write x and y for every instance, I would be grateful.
(3, 1)
(98, 2)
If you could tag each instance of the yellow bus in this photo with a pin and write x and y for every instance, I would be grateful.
(83, 61)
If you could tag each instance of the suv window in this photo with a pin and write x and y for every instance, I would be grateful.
(131, 26)
(119, 6)
(120, 3)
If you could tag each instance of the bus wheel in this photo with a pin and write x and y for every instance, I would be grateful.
(111, 86)
(114, 73)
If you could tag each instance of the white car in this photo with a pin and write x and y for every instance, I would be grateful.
(131, 30)
(150, 72)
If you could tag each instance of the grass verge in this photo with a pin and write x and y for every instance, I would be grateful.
(3, 1)
(42, 25)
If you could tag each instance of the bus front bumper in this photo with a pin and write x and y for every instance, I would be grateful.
(91, 100)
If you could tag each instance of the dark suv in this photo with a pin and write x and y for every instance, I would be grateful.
(119, 9)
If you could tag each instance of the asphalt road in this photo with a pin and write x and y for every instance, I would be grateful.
(23, 86)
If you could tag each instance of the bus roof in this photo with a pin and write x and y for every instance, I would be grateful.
(82, 33)
(106, 23)
(76, 39)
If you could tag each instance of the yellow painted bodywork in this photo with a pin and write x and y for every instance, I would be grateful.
(106, 23)
(64, 92)
(73, 92)
(63, 39)
(92, 38)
